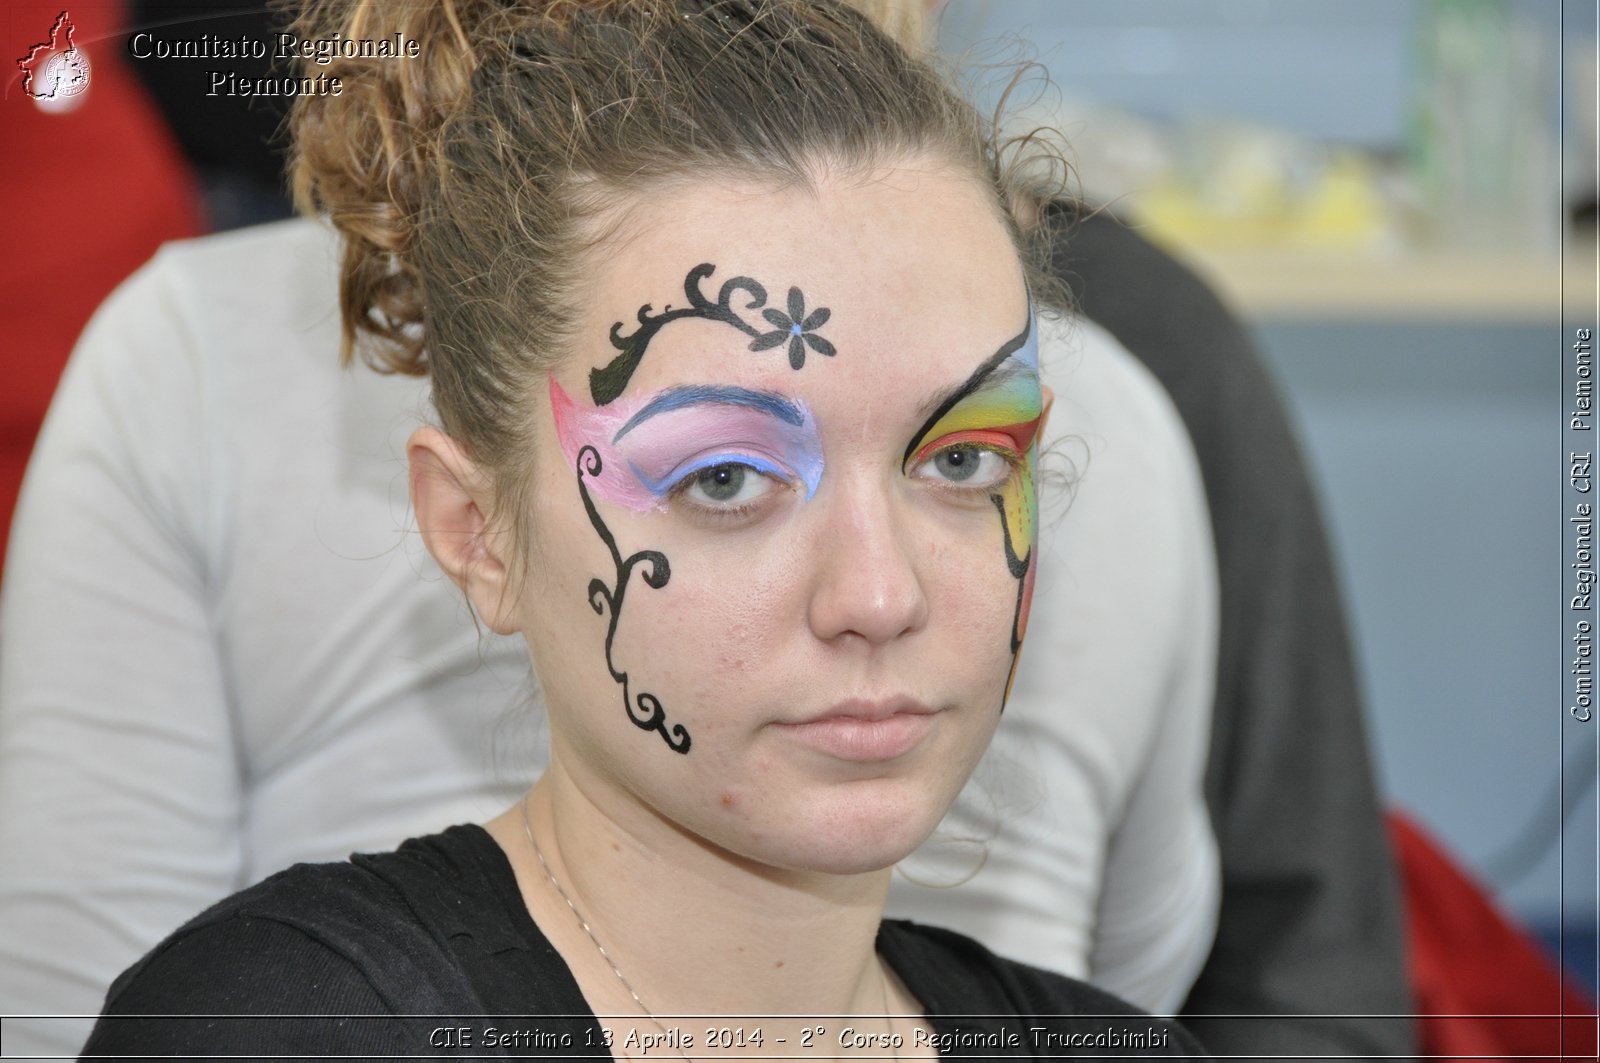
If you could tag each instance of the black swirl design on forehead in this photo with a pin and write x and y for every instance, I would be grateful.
(792, 325)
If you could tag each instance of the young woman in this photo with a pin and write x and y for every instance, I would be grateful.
(733, 344)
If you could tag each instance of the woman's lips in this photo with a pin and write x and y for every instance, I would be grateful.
(865, 731)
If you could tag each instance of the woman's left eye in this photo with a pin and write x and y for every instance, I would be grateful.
(726, 486)
(967, 465)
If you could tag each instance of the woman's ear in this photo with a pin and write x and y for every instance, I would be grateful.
(1048, 400)
(451, 497)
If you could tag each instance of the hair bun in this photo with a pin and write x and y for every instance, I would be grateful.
(365, 157)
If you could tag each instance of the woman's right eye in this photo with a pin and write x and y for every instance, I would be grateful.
(730, 486)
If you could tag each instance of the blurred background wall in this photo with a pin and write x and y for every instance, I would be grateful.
(1378, 187)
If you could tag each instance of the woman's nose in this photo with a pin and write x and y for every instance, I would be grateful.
(868, 584)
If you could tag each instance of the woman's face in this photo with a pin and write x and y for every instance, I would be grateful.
(783, 516)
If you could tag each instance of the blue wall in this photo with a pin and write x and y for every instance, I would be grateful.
(1166, 57)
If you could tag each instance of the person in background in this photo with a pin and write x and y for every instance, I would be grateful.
(1310, 923)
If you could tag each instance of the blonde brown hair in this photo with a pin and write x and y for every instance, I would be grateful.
(469, 184)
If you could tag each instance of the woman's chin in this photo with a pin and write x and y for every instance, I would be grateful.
(846, 842)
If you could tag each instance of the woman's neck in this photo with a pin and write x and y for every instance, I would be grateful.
(690, 929)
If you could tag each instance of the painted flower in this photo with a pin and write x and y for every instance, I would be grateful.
(795, 327)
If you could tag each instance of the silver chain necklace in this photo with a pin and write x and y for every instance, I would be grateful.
(527, 828)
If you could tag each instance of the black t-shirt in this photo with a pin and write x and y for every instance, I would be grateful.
(430, 950)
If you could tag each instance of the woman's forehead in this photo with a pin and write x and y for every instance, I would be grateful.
(869, 284)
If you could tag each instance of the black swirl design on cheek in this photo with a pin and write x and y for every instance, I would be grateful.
(643, 709)
(796, 328)
(1018, 567)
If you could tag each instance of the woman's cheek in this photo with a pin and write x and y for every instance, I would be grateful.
(720, 620)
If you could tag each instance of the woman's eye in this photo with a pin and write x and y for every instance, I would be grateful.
(725, 486)
(967, 466)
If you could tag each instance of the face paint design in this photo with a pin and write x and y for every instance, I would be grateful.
(997, 410)
(635, 457)
(652, 445)
(796, 328)
(643, 709)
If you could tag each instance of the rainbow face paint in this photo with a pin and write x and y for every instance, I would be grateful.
(649, 446)
(998, 408)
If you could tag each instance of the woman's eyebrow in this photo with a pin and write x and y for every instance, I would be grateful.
(993, 373)
(678, 398)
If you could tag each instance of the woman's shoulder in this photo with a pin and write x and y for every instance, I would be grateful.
(959, 980)
(342, 940)
(372, 910)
